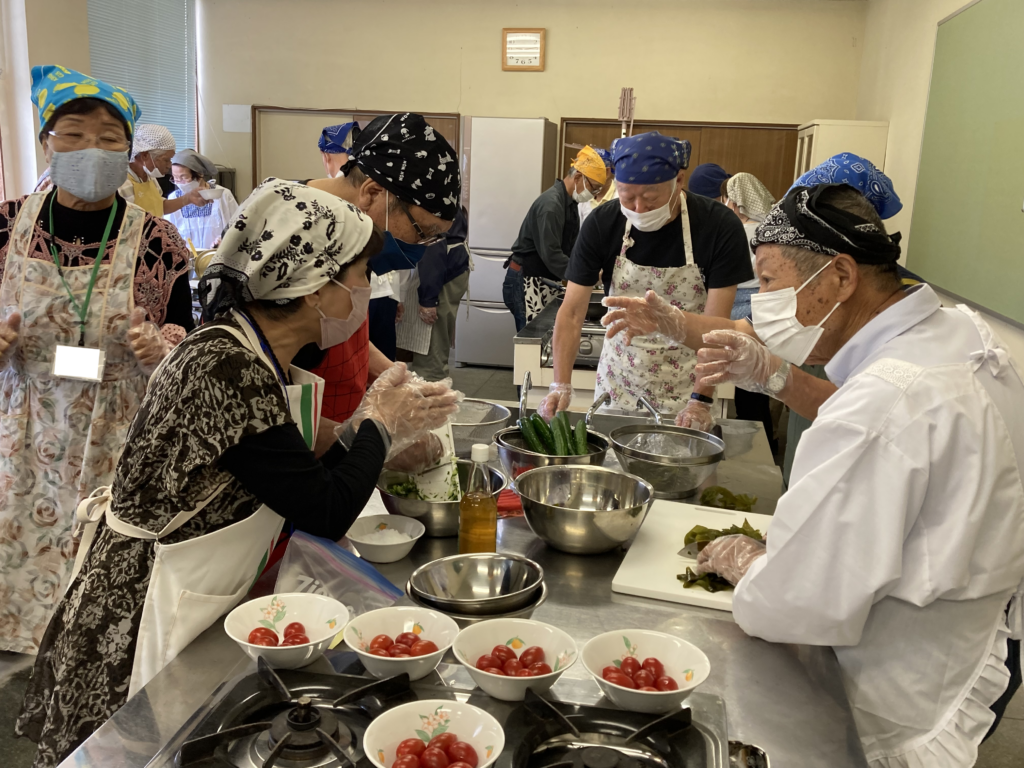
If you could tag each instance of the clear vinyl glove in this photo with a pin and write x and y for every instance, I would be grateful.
(428, 315)
(557, 399)
(741, 360)
(9, 330)
(730, 557)
(146, 341)
(640, 317)
(422, 455)
(696, 415)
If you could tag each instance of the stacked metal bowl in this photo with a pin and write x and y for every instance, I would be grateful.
(674, 460)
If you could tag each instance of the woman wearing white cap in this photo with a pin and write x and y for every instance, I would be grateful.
(152, 149)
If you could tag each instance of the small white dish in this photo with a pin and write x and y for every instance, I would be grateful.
(358, 534)
(213, 193)
(429, 718)
(683, 661)
(474, 641)
(323, 618)
(392, 621)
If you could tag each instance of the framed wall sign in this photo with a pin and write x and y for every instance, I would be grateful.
(522, 50)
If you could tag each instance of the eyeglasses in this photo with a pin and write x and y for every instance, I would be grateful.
(73, 140)
(424, 238)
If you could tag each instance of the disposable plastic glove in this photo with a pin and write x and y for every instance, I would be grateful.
(425, 453)
(730, 557)
(640, 317)
(146, 341)
(557, 399)
(428, 315)
(696, 415)
(738, 359)
(9, 330)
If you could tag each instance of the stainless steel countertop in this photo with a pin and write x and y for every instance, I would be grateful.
(538, 330)
(786, 699)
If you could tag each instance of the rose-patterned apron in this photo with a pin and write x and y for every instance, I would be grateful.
(59, 438)
(661, 373)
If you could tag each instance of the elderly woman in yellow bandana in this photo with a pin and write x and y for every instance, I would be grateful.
(94, 293)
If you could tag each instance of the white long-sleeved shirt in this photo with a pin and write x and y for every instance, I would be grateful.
(202, 225)
(901, 538)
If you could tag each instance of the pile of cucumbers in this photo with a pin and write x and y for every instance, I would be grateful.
(556, 438)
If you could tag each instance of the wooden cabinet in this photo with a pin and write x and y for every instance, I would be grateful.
(818, 140)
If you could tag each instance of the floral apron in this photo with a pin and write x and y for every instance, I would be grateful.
(649, 367)
(59, 438)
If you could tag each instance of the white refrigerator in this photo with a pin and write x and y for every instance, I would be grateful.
(506, 163)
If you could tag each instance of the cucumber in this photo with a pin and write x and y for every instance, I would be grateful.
(543, 432)
(533, 442)
(582, 449)
(561, 432)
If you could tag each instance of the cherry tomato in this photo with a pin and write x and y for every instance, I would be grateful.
(408, 638)
(532, 655)
(263, 636)
(295, 628)
(296, 638)
(399, 650)
(399, 655)
(610, 669)
(524, 673)
(460, 764)
(433, 757)
(381, 641)
(503, 653)
(617, 678)
(379, 652)
(648, 689)
(655, 667)
(461, 751)
(411, 747)
(665, 683)
(423, 647)
(540, 668)
(512, 666)
(486, 661)
(443, 740)
(643, 678)
(496, 671)
(630, 666)
(407, 761)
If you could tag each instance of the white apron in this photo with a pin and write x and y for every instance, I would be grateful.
(661, 373)
(195, 582)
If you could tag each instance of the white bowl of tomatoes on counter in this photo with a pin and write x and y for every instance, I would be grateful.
(390, 641)
(288, 630)
(434, 734)
(507, 657)
(645, 671)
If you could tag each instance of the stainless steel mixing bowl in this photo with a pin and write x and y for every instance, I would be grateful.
(440, 518)
(584, 510)
(674, 460)
(476, 421)
(517, 459)
(464, 620)
(479, 584)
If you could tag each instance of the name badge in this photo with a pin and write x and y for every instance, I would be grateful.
(79, 363)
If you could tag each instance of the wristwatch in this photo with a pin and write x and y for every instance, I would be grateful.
(701, 398)
(777, 381)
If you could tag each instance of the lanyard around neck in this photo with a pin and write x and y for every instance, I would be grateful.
(82, 309)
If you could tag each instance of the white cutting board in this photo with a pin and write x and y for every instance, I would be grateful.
(651, 564)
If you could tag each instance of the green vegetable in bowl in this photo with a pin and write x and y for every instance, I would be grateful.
(723, 498)
(407, 489)
(712, 582)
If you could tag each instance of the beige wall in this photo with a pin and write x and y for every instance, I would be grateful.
(686, 59)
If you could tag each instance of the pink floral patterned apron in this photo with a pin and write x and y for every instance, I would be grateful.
(649, 367)
(59, 438)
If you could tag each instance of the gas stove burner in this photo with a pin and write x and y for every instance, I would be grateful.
(299, 732)
(560, 753)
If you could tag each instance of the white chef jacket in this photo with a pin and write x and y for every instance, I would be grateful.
(901, 538)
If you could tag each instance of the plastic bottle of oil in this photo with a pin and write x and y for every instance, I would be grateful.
(478, 510)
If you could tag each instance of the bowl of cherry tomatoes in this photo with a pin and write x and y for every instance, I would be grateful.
(507, 657)
(645, 671)
(434, 734)
(288, 630)
(390, 641)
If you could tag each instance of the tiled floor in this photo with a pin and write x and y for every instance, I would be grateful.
(484, 383)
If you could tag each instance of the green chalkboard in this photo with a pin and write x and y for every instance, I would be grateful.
(967, 230)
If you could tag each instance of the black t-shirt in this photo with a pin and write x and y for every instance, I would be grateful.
(719, 245)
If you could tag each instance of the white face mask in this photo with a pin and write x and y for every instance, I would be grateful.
(649, 221)
(187, 187)
(154, 172)
(583, 197)
(775, 323)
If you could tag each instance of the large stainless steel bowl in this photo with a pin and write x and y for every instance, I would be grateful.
(517, 459)
(674, 460)
(476, 421)
(464, 620)
(479, 584)
(584, 510)
(440, 518)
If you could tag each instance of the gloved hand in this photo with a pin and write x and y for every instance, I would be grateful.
(146, 341)
(739, 359)
(9, 329)
(696, 415)
(425, 453)
(428, 315)
(195, 198)
(400, 312)
(557, 399)
(639, 317)
(730, 557)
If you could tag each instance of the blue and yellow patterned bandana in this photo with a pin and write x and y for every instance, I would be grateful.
(54, 86)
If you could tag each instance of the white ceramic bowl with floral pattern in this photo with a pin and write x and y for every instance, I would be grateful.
(683, 661)
(474, 641)
(429, 718)
(322, 616)
(393, 621)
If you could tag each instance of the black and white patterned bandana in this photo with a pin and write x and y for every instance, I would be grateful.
(803, 221)
(286, 241)
(411, 160)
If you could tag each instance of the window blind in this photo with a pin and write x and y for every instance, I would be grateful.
(148, 47)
